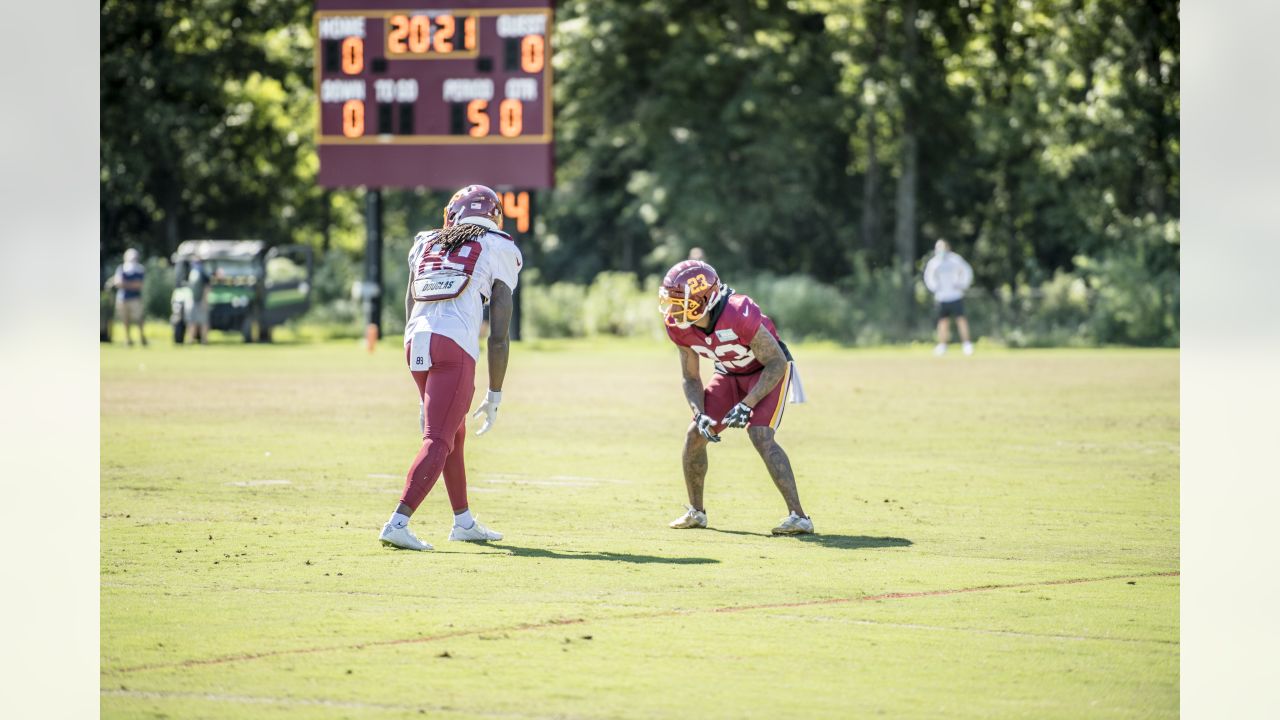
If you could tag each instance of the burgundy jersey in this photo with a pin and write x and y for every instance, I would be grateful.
(734, 324)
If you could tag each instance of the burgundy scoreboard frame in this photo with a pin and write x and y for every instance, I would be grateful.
(434, 94)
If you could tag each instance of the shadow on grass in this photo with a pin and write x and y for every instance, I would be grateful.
(605, 556)
(844, 542)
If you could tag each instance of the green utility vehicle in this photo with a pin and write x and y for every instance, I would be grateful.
(251, 286)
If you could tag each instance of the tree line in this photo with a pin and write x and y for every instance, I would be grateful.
(819, 137)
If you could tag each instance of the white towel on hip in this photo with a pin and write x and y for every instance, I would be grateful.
(795, 394)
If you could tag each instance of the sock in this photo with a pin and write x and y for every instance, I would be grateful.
(398, 520)
(464, 519)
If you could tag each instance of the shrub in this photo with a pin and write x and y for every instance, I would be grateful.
(333, 313)
(1114, 301)
(617, 304)
(552, 311)
(333, 276)
(803, 308)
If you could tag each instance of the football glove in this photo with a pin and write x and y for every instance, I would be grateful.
(489, 409)
(738, 416)
(706, 427)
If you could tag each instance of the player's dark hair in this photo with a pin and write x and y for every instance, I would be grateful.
(454, 237)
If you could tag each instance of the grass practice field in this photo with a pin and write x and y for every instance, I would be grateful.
(998, 537)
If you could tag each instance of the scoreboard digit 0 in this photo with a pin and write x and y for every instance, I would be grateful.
(434, 94)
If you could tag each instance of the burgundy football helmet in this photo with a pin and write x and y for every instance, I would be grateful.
(473, 201)
(689, 291)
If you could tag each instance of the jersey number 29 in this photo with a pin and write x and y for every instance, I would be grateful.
(443, 276)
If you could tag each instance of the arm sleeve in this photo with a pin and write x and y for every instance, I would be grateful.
(931, 275)
(507, 261)
(966, 274)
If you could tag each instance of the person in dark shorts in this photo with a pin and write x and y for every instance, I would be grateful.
(948, 276)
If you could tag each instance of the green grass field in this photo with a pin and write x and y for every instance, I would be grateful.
(998, 537)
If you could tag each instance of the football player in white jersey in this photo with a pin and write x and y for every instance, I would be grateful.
(453, 273)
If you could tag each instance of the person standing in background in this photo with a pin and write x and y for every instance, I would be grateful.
(947, 276)
(128, 282)
(198, 311)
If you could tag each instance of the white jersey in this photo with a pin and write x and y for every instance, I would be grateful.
(947, 276)
(463, 282)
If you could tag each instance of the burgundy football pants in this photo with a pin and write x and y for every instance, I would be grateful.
(446, 390)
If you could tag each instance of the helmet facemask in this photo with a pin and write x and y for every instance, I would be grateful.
(681, 307)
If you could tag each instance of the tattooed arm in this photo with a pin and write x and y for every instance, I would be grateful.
(692, 379)
(766, 349)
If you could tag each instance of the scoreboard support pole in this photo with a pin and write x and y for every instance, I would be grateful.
(373, 259)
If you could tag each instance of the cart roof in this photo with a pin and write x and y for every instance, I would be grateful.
(218, 249)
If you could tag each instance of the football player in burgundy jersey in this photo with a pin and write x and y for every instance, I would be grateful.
(753, 376)
(453, 273)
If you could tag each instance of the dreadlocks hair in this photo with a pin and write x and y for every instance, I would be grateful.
(452, 238)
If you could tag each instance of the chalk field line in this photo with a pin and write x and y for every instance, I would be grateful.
(522, 627)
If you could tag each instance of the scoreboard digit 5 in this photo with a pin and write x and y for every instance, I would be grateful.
(434, 94)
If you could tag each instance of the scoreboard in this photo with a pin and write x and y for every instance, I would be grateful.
(434, 94)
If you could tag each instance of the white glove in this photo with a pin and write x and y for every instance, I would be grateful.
(706, 427)
(422, 417)
(488, 408)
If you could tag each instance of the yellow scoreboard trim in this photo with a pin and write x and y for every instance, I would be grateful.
(545, 137)
(433, 140)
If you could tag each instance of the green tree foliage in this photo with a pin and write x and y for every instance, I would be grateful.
(708, 124)
(207, 123)
(818, 138)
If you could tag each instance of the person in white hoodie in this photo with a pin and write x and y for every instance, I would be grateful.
(947, 276)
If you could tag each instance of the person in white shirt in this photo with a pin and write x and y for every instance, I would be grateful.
(947, 276)
(128, 282)
(453, 273)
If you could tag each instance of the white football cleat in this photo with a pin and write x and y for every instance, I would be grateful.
(940, 349)
(401, 537)
(968, 348)
(793, 524)
(691, 519)
(475, 533)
